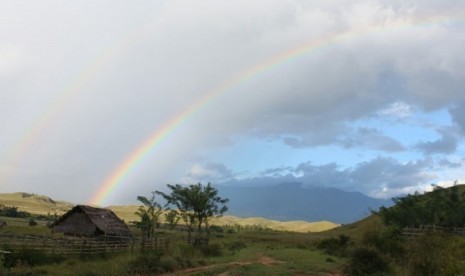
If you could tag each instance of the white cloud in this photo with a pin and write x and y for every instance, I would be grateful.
(211, 172)
(397, 109)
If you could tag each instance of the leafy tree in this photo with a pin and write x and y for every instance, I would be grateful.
(149, 215)
(197, 204)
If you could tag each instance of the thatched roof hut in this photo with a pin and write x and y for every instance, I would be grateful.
(89, 221)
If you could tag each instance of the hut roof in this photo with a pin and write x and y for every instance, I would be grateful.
(104, 219)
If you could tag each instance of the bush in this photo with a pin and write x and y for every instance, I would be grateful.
(337, 247)
(386, 240)
(212, 250)
(28, 257)
(169, 264)
(147, 262)
(2, 265)
(365, 261)
(236, 246)
(434, 254)
(216, 229)
(32, 222)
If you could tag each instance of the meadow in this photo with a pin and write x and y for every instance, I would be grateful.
(234, 250)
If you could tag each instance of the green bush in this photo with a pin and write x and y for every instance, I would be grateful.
(337, 247)
(435, 254)
(216, 229)
(32, 222)
(366, 261)
(147, 262)
(185, 251)
(212, 250)
(30, 257)
(169, 264)
(386, 240)
(236, 246)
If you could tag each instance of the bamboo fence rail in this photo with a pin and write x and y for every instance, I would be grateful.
(412, 232)
(104, 244)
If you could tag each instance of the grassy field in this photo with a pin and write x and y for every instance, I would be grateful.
(245, 246)
(246, 252)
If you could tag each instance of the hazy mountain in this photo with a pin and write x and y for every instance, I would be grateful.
(292, 201)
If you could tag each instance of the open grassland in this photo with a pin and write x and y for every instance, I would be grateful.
(231, 251)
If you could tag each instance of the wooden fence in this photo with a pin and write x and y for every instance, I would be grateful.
(68, 246)
(412, 232)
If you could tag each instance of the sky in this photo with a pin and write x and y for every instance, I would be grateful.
(363, 96)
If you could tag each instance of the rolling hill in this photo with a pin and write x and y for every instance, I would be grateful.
(35, 204)
(126, 212)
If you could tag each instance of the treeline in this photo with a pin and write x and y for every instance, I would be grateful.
(13, 212)
(441, 207)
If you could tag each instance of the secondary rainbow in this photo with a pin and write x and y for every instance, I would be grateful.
(149, 145)
(50, 115)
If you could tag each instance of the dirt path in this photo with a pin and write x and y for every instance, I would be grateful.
(261, 259)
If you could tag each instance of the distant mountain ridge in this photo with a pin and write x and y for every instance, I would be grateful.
(293, 201)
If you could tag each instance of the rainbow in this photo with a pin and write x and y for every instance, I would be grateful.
(148, 146)
(50, 115)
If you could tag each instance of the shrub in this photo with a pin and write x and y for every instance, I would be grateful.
(434, 254)
(169, 264)
(2, 264)
(336, 247)
(32, 222)
(147, 262)
(30, 258)
(386, 240)
(236, 246)
(216, 229)
(212, 250)
(366, 261)
(185, 251)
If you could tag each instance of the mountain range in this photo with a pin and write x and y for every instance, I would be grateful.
(293, 201)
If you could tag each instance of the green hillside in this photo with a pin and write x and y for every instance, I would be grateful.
(422, 234)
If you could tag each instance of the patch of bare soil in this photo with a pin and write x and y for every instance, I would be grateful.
(261, 259)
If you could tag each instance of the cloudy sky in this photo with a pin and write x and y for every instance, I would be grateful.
(360, 95)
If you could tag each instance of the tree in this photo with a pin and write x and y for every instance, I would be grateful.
(149, 215)
(197, 204)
